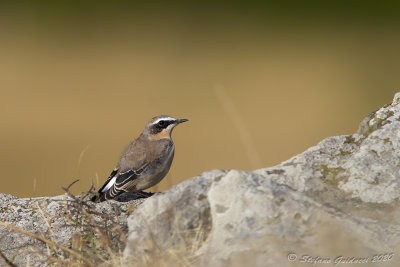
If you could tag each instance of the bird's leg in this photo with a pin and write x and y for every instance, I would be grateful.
(143, 194)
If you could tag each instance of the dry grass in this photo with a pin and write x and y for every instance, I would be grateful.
(98, 237)
(181, 248)
(99, 240)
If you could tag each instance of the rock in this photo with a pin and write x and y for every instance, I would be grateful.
(179, 215)
(358, 174)
(55, 218)
(337, 203)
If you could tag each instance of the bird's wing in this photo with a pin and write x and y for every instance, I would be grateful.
(135, 155)
(106, 184)
(125, 177)
(132, 159)
(140, 159)
(119, 183)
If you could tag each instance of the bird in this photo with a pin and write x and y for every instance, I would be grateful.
(144, 162)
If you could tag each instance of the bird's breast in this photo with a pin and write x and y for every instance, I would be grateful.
(157, 169)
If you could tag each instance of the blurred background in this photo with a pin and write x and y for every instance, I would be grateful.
(259, 81)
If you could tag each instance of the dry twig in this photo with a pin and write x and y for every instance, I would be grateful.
(8, 262)
(47, 241)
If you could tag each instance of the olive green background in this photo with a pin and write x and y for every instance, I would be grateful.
(259, 82)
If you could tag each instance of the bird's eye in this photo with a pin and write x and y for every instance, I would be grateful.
(160, 123)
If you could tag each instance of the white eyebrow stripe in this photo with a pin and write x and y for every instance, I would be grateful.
(110, 183)
(164, 119)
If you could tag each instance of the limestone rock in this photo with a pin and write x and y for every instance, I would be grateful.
(337, 203)
(50, 217)
(358, 174)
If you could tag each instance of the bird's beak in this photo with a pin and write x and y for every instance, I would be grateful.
(180, 121)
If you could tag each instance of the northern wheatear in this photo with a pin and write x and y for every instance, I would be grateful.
(144, 162)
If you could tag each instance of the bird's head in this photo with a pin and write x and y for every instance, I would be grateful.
(161, 127)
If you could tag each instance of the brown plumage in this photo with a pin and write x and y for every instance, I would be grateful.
(144, 162)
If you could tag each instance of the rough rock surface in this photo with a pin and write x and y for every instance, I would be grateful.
(335, 204)
(35, 215)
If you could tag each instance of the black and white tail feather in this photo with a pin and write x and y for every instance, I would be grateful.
(116, 184)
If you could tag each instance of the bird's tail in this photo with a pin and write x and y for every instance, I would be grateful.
(109, 194)
(101, 193)
(98, 197)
